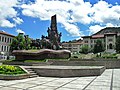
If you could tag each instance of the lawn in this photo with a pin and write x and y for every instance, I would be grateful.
(24, 60)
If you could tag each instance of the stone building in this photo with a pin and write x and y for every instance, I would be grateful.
(107, 36)
(5, 40)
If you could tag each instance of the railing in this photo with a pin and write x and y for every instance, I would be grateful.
(2, 57)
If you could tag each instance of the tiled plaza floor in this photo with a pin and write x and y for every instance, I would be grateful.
(109, 80)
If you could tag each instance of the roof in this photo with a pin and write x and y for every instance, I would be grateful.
(86, 36)
(110, 33)
(72, 43)
(4, 33)
(97, 36)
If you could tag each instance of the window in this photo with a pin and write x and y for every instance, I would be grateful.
(2, 48)
(8, 40)
(8, 48)
(0, 38)
(86, 41)
(5, 39)
(91, 46)
(110, 40)
(91, 41)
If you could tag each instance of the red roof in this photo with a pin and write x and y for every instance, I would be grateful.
(4, 33)
(98, 36)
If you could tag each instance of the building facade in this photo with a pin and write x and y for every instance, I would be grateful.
(107, 36)
(74, 47)
(5, 40)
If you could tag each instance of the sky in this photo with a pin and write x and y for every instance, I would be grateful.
(75, 18)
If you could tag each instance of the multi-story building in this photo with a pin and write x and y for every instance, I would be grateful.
(5, 40)
(107, 36)
(73, 46)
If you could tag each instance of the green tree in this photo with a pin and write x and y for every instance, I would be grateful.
(27, 42)
(98, 47)
(20, 43)
(118, 44)
(85, 49)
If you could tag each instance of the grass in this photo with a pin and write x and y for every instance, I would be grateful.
(11, 70)
(90, 56)
(35, 60)
(83, 56)
(25, 60)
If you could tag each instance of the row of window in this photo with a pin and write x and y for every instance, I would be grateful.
(86, 41)
(4, 48)
(5, 39)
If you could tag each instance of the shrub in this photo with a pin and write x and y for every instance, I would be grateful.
(84, 49)
(75, 56)
(11, 70)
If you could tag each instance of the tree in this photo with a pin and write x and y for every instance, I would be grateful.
(27, 42)
(118, 44)
(85, 49)
(20, 42)
(98, 47)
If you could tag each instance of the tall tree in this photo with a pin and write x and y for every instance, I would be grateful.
(118, 44)
(98, 47)
(85, 49)
(20, 42)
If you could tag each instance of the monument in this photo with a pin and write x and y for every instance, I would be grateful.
(52, 41)
(49, 46)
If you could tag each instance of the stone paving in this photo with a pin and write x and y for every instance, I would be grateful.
(109, 80)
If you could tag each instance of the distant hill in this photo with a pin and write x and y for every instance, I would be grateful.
(108, 30)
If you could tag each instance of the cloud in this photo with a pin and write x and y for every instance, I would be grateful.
(95, 28)
(8, 12)
(18, 20)
(107, 14)
(45, 9)
(6, 23)
(20, 31)
(70, 12)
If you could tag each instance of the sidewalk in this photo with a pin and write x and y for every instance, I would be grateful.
(109, 80)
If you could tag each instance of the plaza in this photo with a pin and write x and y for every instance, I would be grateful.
(109, 80)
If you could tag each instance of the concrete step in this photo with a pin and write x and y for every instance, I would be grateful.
(32, 72)
(33, 76)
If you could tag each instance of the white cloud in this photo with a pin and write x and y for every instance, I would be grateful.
(70, 12)
(8, 12)
(34, 21)
(6, 23)
(95, 28)
(20, 31)
(18, 20)
(106, 13)
(45, 9)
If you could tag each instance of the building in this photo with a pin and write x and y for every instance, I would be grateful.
(107, 36)
(5, 40)
(74, 46)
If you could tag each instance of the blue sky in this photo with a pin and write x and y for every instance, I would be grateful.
(75, 18)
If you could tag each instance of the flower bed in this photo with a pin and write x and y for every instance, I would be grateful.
(8, 72)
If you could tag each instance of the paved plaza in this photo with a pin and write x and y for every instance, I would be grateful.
(109, 80)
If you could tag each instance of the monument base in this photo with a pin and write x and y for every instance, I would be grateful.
(41, 54)
(68, 71)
